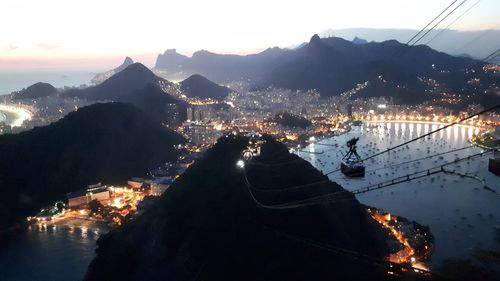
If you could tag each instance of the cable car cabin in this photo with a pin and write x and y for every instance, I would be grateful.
(352, 169)
(352, 165)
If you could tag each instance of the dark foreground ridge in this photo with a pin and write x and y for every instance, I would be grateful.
(102, 142)
(206, 226)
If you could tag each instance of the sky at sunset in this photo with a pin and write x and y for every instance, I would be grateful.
(98, 32)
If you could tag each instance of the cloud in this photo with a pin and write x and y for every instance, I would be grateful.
(48, 46)
(12, 47)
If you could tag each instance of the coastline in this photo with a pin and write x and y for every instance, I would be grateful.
(15, 115)
(424, 191)
(421, 122)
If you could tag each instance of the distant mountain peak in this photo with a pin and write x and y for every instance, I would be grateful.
(170, 51)
(314, 39)
(202, 53)
(135, 69)
(128, 61)
(196, 76)
(199, 86)
(101, 77)
(120, 85)
(359, 41)
(170, 59)
(137, 66)
(37, 90)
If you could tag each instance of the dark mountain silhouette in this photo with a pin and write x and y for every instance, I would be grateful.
(108, 142)
(290, 120)
(37, 90)
(206, 226)
(170, 59)
(359, 41)
(140, 86)
(134, 77)
(216, 67)
(128, 61)
(99, 78)
(477, 43)
(200, 87)
(158, 105)
(379, 87)
(334, 65)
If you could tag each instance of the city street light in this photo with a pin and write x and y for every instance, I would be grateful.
(240, 164)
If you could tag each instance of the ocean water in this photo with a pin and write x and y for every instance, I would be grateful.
(15, 81)
(48, 253)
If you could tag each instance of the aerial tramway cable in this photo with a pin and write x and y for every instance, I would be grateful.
(492, 56)
(435, 131)
(453, 22)
(253, 162)
(327, 197)
(404, 143)
(415, 160)
(422, 30)
(434, 26)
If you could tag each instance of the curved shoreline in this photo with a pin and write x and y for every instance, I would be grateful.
(470, 140)
(402, 202)
(422, 122)
(20, 114)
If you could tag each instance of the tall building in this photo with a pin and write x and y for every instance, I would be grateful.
(189, 112)
(349, 110)
(198, 116)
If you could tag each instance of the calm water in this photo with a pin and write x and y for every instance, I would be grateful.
(462, 215)
(13, 81)
(51, 253)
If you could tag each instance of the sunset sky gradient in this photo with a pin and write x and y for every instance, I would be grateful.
(98, 32)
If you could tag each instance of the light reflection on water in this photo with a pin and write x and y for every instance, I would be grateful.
(48, 252)
(462, 215)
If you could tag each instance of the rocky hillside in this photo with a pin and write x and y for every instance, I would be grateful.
(99, 143)
(208, 226)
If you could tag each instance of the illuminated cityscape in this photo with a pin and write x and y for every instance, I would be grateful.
(219, 141)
